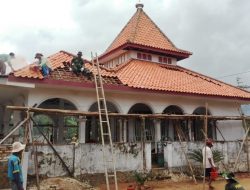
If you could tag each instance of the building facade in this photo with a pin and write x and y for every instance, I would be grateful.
(141, 76)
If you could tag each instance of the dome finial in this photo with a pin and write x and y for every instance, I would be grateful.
(139, 5)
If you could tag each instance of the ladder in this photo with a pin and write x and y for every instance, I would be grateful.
(104, 126)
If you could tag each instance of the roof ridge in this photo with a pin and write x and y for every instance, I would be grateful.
(207, 78)
(137, 22)
(214, 79)
(120, 32)
(160, 30)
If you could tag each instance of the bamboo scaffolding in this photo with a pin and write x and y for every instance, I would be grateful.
(17, 127)
(205, 139)
(34, 151)
(54, 150)
(183, 151)
(159, 116)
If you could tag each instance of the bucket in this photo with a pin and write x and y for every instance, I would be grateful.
(214, 174)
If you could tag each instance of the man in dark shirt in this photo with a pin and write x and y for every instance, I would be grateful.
(77, 64)
(232, 184)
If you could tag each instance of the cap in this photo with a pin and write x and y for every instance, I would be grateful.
(17, 147)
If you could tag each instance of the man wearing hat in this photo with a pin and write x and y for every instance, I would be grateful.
(208, 161)
(14, 166)
(44, 64)
(77, 64)
(232, 183)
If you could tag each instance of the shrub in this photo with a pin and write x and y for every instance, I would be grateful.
(196, 155)
(141, 177)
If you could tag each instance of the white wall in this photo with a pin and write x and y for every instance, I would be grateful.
(174, 156)
(231, 130)
(89, 158)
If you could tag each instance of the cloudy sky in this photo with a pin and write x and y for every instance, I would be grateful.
(216, 31)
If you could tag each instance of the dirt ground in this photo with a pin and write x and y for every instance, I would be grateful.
(69, 184)
(169, 185)
(180, 182)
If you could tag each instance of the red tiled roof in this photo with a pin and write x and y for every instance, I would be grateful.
(60, 65)
(55, 60)
(141, 30)
(172, 78)
(139, 74)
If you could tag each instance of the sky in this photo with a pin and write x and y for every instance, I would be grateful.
(217, 32)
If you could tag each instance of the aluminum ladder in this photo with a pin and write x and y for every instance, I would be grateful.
(104, 126)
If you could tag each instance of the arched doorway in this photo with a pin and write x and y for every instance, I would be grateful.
(135, 124)
(198, 125)
(60, 128)
(93, 134)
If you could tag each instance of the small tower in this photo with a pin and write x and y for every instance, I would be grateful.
(139, 5)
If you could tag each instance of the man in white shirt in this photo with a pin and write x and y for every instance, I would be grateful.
(6, 58)
(208, 161)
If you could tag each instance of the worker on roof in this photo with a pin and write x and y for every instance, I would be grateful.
(208, 161)
(43, 64)
(6, 58)
(14, 166)
(77, 64)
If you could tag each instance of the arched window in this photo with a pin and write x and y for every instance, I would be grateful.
(63, 127)
(45, 124)
(140, 108)
(198, 128)
(93, 133)
(169, 126)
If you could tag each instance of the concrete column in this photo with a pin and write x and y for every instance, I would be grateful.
(191, 134)
(157, 123)
(171, 130)
(168, 157)
(120, 130)
(6, 121)
(125, 122)
(60, 124)
(82, 129)
(131, 130)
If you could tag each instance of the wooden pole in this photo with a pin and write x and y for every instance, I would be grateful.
(159, 116)
(17, 127)
(35, 155)
(54, 150)
(245, 127)
(220, 132)
(143, 143)
(244, 139)
(205, 139)
(186, 157)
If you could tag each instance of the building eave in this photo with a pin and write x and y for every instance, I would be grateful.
(112, 87)
(126, 46)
